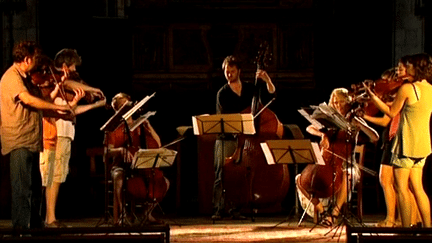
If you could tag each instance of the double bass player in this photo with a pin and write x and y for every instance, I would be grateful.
(234, 97)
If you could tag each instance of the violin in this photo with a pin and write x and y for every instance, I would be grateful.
(385, 89)
(46, 76)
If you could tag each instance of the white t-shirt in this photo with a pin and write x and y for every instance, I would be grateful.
(65, 128)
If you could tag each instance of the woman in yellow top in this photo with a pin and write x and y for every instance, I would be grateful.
(412, 143)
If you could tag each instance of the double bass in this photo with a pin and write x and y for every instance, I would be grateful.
(247, 178)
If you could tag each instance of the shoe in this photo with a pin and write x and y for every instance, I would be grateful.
(155, 221)
(216, 216)
(55, 224)
(237, 216)
(328, 220)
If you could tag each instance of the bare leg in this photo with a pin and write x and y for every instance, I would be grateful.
(415, 214)
(118, 178)
(402, 192)
(420, 195)
(387, 183)
(51, 195)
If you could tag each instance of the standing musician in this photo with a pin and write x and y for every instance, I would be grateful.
(412, 142)
(234, 97)
(21, 134)
(58, 134)
(386, 169)
(337, 146)
(122, 154)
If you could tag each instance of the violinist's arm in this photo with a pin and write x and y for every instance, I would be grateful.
(381, 121)
(38, 103)
(401, 97)
(75, 85)
(369, 131)
(83, 108)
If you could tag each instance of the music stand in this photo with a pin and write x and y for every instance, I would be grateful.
(295, 151)
(109, 126)
(223, 123)
(153, 158)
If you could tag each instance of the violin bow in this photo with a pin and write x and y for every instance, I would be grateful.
(365, 169)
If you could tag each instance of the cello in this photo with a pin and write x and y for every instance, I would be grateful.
(247, 177)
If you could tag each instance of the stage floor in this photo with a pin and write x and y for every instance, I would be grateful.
(265, 228)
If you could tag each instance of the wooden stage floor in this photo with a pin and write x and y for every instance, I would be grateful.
(265, 228)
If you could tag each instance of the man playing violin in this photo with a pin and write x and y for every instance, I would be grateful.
(21, 134)
(59, 133)
(234, 97)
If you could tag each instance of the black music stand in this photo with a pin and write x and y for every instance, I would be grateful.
(108, 127)
(295, 151)
(153, 158)
(223, 124)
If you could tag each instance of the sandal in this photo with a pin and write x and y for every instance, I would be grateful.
(386, 223)
(328, 220)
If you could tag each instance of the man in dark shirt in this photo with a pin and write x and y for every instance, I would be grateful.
(234, 97)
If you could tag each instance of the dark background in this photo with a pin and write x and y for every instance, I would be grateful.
(175, 48)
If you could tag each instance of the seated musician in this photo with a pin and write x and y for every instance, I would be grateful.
(122, 154)
(333, 144)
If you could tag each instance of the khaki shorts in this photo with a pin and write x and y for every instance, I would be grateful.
(407, 162)
(54, 164)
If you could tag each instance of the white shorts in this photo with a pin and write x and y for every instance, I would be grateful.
(54, 165)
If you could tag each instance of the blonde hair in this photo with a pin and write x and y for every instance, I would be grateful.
(342, 93)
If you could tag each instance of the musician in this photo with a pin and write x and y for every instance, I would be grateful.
(340, 101)
(122, 154)
(21, 134)
(412, 142)
(58, 134)
(386, 169)
(234, 97)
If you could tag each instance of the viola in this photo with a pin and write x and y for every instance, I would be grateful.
(385, 89)
(46, 76)
(247, 177)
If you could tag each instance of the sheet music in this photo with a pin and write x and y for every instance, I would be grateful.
(141, 119)
(333, 116)
(267, 153)
(308, 117)
(146, 158)
(137, 106)
(223, 123)
(318, 155)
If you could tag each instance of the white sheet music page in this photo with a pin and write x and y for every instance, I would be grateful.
(318, 155)
(267, 153)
